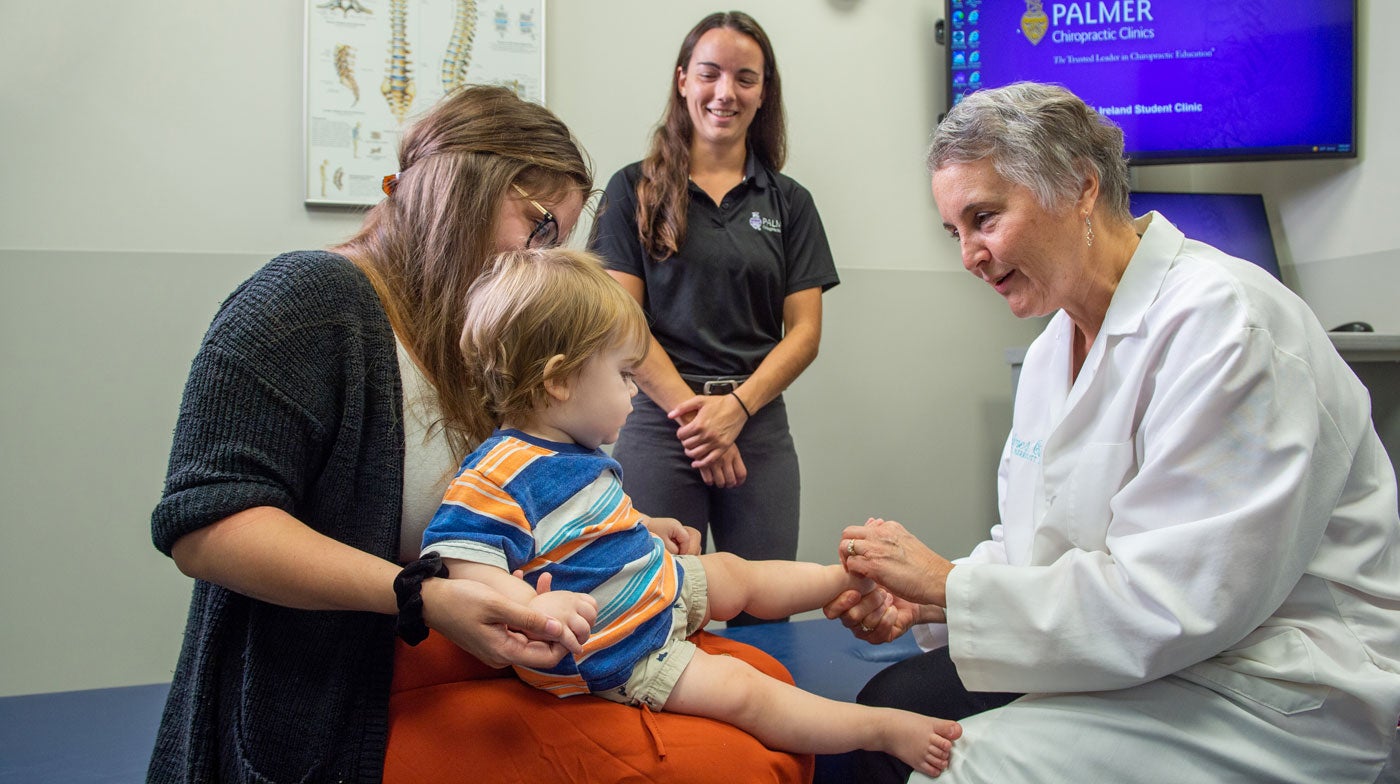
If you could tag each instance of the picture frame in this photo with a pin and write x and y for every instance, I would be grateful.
(373, 66)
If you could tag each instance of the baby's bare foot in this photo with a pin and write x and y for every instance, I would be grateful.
(922, 742)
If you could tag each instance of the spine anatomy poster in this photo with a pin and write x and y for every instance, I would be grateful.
(373, 66)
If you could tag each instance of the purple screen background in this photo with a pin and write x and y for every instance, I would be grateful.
(1232, 222)
(1280, 78)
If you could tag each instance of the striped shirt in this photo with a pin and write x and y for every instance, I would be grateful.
(521, 502)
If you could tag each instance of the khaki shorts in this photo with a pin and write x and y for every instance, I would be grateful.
(656, 674)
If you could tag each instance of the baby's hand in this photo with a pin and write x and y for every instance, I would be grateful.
(861, 585)
(576, 611)
(679, 538)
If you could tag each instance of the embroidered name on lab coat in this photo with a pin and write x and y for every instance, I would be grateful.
(1026, 450)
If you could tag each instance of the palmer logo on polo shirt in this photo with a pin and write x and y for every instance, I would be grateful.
(760, 223)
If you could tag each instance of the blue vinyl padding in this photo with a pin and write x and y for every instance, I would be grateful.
(94, 735)
(822, 655)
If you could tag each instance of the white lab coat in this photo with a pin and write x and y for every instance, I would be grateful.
(1199, 547)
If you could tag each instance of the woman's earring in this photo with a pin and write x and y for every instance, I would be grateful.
(1088, 232)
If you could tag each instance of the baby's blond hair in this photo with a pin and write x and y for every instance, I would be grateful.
(533, 305)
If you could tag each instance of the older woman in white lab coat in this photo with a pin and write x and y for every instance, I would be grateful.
(1196, 575)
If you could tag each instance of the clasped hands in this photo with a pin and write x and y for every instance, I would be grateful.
(502, 630)
(911, 581)
(709, 424)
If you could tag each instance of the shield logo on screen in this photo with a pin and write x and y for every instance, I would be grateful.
(1034, 22)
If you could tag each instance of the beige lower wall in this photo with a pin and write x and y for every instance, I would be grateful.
(95, 348)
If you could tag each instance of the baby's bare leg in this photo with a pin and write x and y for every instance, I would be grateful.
(787, 718)
(772, 589)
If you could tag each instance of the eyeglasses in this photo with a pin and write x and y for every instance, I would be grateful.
(546, 231)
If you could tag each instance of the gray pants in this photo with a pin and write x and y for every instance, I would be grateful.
(756, 520)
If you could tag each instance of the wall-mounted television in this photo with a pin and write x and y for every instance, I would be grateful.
(1189, 81)
(1233, 222)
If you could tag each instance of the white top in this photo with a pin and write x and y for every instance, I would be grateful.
(428, 462)
(1209, 498)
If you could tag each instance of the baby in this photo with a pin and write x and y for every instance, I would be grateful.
(538, 512)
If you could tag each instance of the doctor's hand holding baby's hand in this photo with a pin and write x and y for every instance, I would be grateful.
(879, 617)
(891, 556)
(914, 576)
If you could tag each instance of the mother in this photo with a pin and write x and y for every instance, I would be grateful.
(324, 414)
(1196, 575)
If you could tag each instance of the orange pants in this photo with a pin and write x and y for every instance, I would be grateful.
(452, 718)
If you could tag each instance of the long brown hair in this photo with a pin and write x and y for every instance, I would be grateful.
(424, 245)
(662, 197)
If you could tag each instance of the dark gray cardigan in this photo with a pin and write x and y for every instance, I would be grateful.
(293, 401)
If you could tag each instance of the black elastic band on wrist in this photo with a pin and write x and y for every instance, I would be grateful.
(741, 404)
(408, 589)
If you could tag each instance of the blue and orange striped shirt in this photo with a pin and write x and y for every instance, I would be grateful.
(521, 502)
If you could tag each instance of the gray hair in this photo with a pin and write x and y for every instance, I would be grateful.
(1039, 136)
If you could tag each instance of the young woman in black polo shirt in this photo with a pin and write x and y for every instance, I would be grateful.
(729, 259)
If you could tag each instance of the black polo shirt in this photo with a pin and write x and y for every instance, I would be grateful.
(717, 305)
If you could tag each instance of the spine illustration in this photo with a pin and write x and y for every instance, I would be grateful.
(398, 79)
(345, 69)
(346, 6)
(458, 57)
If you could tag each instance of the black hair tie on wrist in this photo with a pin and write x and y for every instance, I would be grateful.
(747, 415)
(408, 589)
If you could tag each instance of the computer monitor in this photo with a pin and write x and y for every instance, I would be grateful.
(1236, 223)
(1189, 81)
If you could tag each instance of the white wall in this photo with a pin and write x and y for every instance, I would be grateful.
(152, 159)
